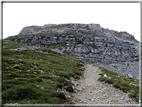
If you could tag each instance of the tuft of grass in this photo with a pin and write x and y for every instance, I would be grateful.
(31, 76)
(124, 83)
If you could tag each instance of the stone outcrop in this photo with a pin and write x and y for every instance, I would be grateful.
(87, 42)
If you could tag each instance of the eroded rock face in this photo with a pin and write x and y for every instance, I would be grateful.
(87, 42)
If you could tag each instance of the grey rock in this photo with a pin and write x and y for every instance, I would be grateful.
(130, 69)
(130, 75)
(88, 42)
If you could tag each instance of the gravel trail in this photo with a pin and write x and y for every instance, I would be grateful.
(88, 90)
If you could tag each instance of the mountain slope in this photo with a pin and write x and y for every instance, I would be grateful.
(87, 42)
(34, 75)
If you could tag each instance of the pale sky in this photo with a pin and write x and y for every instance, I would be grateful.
(114, 16)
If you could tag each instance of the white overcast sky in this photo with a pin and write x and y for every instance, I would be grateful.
(114, 16)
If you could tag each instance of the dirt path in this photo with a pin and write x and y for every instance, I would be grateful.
(88, 90)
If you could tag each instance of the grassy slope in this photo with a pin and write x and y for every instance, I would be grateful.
(31, 77)
(127, 84)
(23, 77)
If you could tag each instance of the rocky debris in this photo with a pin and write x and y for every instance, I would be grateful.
(26, 48)
(105, 76)
(57, 50)
(91, 91)
(130, 69)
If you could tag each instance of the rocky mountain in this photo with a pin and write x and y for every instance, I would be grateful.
(88, 42)
(36, 74)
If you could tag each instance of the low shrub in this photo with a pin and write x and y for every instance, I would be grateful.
(78, 73)
(76, 77)
(59, 85)
(13, 74)
(59, 95)
(21, 92)
(134, 95)
(45, 77)
(71, 74)
(116, 85)
(10, 95)
(39, 79)
(61, 74)
(101, 79)
(69, 88)
(61, 79)
(109, 81)
(79, 64)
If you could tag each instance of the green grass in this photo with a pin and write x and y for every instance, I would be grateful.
(124, 83)
(31, 77)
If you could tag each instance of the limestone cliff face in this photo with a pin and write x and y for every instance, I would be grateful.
(87, 42)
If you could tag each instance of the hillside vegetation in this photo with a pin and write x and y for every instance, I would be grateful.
(34, 75)
(124, 83)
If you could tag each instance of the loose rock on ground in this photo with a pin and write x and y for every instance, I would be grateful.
(88, 90)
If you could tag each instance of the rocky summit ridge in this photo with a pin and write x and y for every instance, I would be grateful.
(117, 51)
(88, 42)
